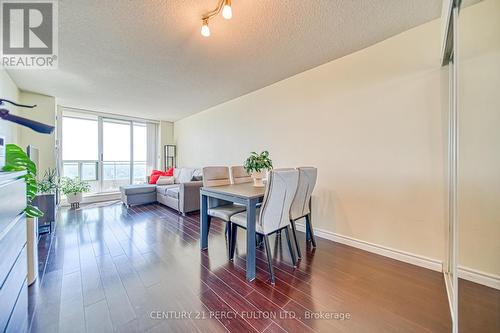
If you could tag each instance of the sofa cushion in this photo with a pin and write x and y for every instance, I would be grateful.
(137, 189)
(185, 175)
(173, 192)
(162, 189)
(197, 175)
(165, 180)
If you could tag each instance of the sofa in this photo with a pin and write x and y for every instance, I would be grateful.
(183, 195)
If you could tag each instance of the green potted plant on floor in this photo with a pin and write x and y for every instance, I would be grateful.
(255, 164)
(74, 188)
(17, 160)
(46, 197)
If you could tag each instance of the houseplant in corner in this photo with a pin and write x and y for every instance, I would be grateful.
(74, 188)
(46, 197)
(255, 164)
(17, 160)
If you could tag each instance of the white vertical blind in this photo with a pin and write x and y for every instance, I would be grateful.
(152, 146)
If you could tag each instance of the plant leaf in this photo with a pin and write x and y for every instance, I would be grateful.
(32, 211)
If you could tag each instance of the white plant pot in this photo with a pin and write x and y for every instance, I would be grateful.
(258, 179)
(74, 199)
(32, 248)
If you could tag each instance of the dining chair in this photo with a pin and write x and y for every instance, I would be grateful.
(239, 175)
(301, 204)
(219, 176)
(273, 215)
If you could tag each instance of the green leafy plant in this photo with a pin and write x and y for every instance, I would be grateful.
(17, 160)
(49, 183)
(74, 186)
(258, 162)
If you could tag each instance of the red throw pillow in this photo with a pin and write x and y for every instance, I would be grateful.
(154, 178)
(155, 174)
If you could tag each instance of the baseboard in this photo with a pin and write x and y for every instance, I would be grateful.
(473, 275)
(465, 273)
(93, 198)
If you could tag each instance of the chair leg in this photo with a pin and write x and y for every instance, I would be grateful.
(294, 234)
(229, 227)
(258, 240)
(290, 247)
(269, 259)
(310, 231)
(227, 231)
(209, 219)
(232, 244)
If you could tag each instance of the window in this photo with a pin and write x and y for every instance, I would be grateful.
(107, 152)
(140, 148)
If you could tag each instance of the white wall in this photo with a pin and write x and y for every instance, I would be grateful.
(45, 112)
(479, 165)
(23, 136)
(8, 90)
(371, 122)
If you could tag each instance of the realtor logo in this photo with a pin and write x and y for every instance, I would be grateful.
(29, 34)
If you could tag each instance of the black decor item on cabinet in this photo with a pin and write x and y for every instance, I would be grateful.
(47, 204)
(46, 200)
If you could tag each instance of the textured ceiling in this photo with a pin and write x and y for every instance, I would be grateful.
(147, 58)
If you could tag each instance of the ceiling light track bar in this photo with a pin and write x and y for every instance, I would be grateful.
(223, 6)
(216, 11)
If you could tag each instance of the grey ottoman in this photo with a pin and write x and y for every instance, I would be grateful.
(138, 194)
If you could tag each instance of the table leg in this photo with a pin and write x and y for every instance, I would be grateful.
(251, 208)
(203, 222)
(308, 221)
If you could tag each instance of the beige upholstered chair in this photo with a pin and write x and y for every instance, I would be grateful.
(219, 176)
(274, 214)
(239, 175)
(301, 205)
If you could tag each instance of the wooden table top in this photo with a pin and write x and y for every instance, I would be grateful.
(245, 190)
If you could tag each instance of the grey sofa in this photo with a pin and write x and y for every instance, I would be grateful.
(183, 195)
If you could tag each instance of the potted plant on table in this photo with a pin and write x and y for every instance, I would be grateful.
(17, 160)
(46, 197)
(255, 164)
(74, 188)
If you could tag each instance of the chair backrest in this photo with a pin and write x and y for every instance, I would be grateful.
(216, 176)
(307, 181)
(239, 175)
(280, 190)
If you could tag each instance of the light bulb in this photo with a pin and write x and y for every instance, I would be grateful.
(205, 30)
(227, 12)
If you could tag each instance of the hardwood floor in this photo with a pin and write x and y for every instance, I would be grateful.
(107, 268)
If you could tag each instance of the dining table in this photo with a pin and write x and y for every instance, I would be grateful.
(246, 194)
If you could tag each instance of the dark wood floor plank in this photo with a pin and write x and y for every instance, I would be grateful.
(71, 312)
(137, 294)
(98, 318)
(120, 309)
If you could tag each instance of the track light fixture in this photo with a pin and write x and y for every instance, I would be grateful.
(227, 13)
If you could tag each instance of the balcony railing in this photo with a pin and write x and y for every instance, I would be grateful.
(114, 173)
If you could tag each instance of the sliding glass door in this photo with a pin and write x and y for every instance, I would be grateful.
(80, 149)
(139, 152)
(107, 152)
(116, 154)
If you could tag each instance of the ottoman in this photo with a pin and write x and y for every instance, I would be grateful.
(138, 194)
